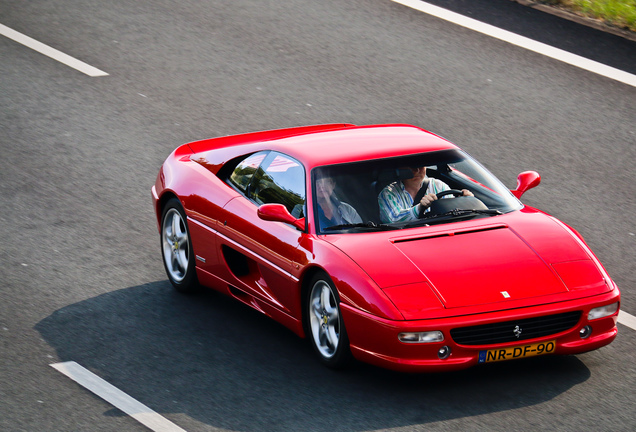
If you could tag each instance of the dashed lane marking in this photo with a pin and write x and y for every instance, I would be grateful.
(51, 52)
(627, 319)
(522, 41)
(116, 397)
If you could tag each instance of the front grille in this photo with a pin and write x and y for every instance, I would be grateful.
(502, 332)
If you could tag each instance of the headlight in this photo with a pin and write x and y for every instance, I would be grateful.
(602, 312)
(421, 337)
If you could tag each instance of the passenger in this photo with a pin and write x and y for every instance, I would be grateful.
(396, 201)
(332, 211)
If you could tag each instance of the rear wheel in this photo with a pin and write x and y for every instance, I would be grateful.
(327, 333)
(176, 248)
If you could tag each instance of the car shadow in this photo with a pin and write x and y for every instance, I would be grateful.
(223, 364)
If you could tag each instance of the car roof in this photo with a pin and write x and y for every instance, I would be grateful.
(324, 144)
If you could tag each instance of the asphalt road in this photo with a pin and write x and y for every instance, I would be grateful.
(80, 270)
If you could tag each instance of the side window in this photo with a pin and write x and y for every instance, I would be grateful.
(244, 171)
(280, 180)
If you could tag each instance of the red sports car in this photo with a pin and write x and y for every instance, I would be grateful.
(383, 243)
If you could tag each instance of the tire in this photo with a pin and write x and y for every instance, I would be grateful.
(325, 328)
(176, 248)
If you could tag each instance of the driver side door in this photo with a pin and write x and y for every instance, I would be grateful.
(258, 255)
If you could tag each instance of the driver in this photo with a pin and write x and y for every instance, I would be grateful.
(397, 199)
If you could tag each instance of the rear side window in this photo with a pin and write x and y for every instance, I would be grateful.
(244, 171)
(280, 180)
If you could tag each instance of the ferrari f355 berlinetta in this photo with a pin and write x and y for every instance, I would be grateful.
(384, 243)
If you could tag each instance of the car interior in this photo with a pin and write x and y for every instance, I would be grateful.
(360, 184)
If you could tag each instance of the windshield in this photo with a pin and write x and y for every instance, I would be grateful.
(383, 193)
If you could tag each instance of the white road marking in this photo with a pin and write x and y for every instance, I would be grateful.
(51, 52)
(627, 319)
(116, 397)
(522, 41)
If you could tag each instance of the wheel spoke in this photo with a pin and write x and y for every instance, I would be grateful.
(182, 259)
(333, 318)
(180, 233)
(167, 254)
(332, 337)
(182, 239)
(323, 337)
(316, 308)
(325, 299)
(174, 261)
(169, 228)
(175, 226)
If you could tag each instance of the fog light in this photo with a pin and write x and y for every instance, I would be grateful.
(585, 332)
(444, 352)
(421, 337)
(602, 312)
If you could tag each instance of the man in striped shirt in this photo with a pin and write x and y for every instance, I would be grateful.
(397, 199)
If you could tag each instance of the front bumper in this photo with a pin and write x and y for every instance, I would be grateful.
(375, 340)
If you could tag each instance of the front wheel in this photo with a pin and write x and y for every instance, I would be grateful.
(176, 248)
(327, 333)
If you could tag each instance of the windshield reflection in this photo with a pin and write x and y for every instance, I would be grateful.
(434, 187)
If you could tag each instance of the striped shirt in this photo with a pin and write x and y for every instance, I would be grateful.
(396, 204)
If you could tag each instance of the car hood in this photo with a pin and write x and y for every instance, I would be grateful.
(499, 262)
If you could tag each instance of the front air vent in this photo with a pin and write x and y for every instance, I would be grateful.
(448, 234)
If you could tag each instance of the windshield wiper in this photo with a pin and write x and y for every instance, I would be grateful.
(369, 224)
(458, 212)
(452, 214)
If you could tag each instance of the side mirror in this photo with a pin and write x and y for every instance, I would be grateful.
(526, 181)
(279, 213)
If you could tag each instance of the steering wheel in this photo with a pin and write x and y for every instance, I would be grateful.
(455, 192)
(438, 206)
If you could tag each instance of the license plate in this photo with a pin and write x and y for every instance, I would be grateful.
(517, 352)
